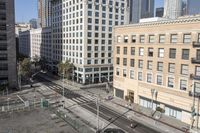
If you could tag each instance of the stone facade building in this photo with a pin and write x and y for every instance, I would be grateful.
(158, 64)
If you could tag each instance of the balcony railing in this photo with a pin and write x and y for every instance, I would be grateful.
(195, 61)
(196, 44)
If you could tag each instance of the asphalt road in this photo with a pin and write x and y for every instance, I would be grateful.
(105, 113)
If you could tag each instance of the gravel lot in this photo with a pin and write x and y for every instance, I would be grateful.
(34, 121)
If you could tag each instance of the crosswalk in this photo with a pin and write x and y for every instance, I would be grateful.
(72, 97)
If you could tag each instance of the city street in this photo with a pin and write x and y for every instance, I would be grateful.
(104, 112)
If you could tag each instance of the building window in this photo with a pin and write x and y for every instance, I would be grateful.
(140, 76)
(118, 50)
(151, 39)
(124, 61)
(173, 112)
(118, 39)
(125, 39)
(183, 84)
(185, 54)
(197, 71)
(131, 74)
(149, 65)
(125, 50)
(170, 82)
(132, 50)
(149, 78)
(159, 79)
(124, 72)
(150, 52)
(140, 64)
(2, 5)
(197, 87)
(2, 16)
(141, 51)
(184, 69)
(117, 71)
(161, 52)
(198, 37)
(174, 38)
(171, 68)
(172, 53)
(161, 38)
(142, 38)
(160, 66)
(132, 63)
(186, 38)
(118, 61)
(133, 38)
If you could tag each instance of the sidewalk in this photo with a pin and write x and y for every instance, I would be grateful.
(143, 115)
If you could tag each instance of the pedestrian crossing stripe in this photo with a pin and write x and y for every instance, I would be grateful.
(81, 100)
(71, 101)
(85, 98)
(74, 99)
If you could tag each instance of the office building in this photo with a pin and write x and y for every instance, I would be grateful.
(36, 43)
(159, 12)
(172, 9)
(82, 33)
(20, 27)
(141, 9)
(154, 62)
(33, 22)
(8, 70)
(193, 7)
(44, 13)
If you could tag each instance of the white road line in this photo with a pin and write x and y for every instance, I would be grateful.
(81, 100)
(85, 98)
(74, 99)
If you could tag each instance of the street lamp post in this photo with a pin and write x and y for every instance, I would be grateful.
(8, 104)
(197, 118)
(97, 113)
(63, 87)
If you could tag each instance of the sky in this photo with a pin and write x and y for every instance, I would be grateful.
(27, 9)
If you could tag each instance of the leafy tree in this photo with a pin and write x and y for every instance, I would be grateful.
(25, 67)
(67, 68)
(36, 60)
(43, 63)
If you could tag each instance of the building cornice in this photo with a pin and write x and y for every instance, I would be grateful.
(182, 20)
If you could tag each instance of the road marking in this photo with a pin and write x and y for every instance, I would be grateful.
(82, 100)
(74, 99)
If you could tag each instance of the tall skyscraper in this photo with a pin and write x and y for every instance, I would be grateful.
(172, 9)
(159, 12)
(44, 13)
(193, 7)
(147, 8)
(83, 35)
(8, 71)
(33, 23)
(141, 9)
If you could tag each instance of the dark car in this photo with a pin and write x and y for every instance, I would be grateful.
(112, 130)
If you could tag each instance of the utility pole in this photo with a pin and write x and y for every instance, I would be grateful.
(97, 102)
(63, 87)
(197, 118)
(8, 104)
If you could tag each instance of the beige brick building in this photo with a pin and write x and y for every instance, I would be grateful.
(156, 60)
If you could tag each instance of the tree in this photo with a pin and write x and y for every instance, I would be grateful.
(43, 63)
(36, 60)
(25, 67)
(67, 68)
